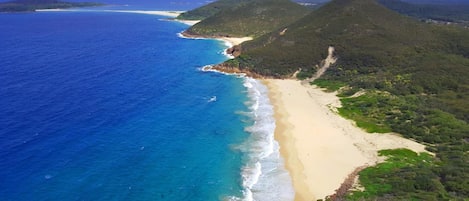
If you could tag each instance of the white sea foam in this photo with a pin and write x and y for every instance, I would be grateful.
(264, 176)
(180, 35)
(209, 68)
(228, 44)
(229, 56)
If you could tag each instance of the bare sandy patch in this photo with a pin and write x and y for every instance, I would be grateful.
(320, 147)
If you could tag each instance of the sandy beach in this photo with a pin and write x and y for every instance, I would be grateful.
(172, 14)
(320, 147)
(236, 41)
(229, 41)
(188, 22)
(148, 12)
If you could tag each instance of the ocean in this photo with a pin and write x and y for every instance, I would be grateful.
(114, 106)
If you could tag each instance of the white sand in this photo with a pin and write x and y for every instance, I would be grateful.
(50, 10)
(150, 12)
(172, 14)
(236, 41)
(188, 22)
(320, 147)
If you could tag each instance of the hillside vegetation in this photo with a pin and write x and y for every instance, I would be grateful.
(250, 18)
(32, 5)
(210, 9)
(415, 77)
(454, 13)
(377, 49)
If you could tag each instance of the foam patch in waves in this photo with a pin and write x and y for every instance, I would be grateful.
(264, 176)
(226, 43)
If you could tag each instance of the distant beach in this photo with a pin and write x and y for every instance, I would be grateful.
(151, 12)
(172, 14)
(320, 147)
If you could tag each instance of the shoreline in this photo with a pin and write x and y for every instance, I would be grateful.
(230, 41)
(321, 148)
(265, 170)
(171, 14)
(263, 173)
(150, 12)
(188, 22)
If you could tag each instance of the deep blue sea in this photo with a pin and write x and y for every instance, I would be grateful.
(115, 106)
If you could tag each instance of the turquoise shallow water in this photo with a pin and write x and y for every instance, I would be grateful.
(114, 106)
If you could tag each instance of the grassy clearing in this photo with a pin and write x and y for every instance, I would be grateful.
(329, 85)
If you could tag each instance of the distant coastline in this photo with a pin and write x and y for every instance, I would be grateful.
(32, 6)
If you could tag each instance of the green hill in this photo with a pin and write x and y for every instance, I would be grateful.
(209, 9)
(353, 27)
(250, 18)
(214, 7)
(32, 5)
(416, 79)
(454, 13)
(374, 45)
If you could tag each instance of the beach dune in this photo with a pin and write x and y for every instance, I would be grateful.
(320, 147)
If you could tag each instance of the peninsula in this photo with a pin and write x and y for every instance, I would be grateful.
(239, 21)
(33, 5)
